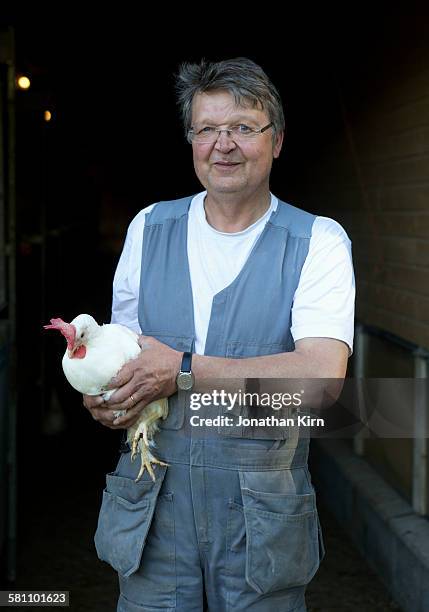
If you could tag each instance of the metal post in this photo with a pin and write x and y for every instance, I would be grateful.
(13, 401)
(361, 341)
(420, 464)
(7, 58)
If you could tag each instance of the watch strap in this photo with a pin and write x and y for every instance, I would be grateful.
(186, 362)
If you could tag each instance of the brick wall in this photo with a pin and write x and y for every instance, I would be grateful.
(373, 177)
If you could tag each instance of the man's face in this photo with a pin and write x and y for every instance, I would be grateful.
(225, 166)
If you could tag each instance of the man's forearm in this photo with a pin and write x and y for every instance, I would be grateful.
(323, 362)
(282, 365)
(312, 360)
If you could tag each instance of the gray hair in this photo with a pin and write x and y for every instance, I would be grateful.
(241, 77)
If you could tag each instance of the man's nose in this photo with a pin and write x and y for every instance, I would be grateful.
(224, 141)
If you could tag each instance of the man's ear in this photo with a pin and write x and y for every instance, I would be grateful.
(278, 145)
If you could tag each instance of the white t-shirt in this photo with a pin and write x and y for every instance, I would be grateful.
(323, 304)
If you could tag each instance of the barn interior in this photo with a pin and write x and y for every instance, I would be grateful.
(96, 138)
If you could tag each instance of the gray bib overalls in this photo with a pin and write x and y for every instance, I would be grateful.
(234, 513)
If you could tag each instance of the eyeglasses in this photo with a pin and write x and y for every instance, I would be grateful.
(238, 133)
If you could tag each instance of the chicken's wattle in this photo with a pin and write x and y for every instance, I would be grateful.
(79, 353)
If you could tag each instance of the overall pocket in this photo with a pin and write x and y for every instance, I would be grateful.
(282, 539)
(125, 517)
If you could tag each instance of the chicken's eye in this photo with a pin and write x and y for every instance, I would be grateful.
(82, 335)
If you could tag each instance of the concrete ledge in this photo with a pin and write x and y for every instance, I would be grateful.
(384, 527)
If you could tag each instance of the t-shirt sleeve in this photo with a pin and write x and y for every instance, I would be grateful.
(126, 282)
(324, 300)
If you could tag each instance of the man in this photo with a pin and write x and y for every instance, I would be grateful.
(235, 284)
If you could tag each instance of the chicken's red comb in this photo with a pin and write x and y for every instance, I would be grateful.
(67, 329)
(56, 324)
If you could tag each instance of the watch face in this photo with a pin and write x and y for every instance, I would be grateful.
(185, 381)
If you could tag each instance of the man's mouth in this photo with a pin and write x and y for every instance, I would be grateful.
(226, 163)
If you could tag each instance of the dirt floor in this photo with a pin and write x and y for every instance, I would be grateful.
(60, 492)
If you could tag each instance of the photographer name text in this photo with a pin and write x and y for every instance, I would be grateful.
(269, 421)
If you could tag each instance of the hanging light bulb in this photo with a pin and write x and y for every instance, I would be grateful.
(23, 82)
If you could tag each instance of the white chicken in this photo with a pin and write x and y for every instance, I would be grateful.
(94, 355)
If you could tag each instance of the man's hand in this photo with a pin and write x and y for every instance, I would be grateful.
(152, 375)
(99, 410)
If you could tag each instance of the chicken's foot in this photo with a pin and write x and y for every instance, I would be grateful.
(146, 456)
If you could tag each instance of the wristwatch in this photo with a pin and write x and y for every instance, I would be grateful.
(185, 379)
